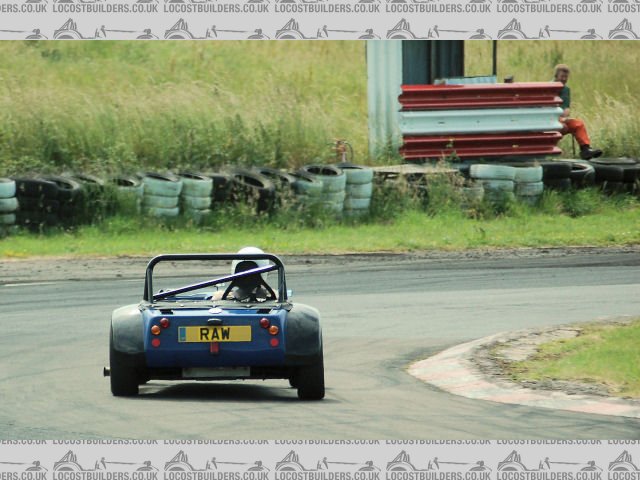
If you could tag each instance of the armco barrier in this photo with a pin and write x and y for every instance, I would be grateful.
(437, 122)
(482, 145)
(497, 95)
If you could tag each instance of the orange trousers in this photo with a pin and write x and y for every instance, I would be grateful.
(576, 127)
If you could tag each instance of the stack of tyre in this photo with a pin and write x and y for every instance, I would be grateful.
(70, 199)
(617, 175)
(129, 193)
(195, 197)
(283, 182)
(358, 190)
(161, 195)
(556, 175)
(38, 201)
(307, 189)
(334, 182)
(8, 205)
(94, 203)
(498, 181)
(252, 188)
(528, 184)
(472, 193)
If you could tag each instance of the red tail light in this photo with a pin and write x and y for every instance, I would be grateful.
(155, 342)
(164, 322)
(264, 322)
(274, 342)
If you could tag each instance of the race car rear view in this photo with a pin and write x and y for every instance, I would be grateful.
(232, 327)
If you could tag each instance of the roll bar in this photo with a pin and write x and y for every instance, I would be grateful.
(277, 265)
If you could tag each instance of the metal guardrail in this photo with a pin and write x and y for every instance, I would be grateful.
(482, 145)
(438, 122)
(499, 95)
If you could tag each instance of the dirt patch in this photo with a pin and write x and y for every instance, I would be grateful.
(495, 359)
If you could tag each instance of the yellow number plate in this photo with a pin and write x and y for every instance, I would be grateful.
(214, 334)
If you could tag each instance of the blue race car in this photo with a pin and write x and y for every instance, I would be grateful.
(241, 328)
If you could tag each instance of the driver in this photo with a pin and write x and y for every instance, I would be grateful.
(251, 288)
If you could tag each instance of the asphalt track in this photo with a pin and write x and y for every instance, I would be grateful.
(377, 317)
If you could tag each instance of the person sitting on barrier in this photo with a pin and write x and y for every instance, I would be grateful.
(574, 126)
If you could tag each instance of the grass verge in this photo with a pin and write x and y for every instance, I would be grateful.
(603, 354)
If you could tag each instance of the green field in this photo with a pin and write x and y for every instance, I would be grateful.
(120, 106)
(603, 354)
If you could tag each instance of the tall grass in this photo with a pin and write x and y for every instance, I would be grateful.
(109, 106)
(604, 81)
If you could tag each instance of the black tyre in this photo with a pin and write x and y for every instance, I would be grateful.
(35, 220)
(124, 377)
(280, 179)
(561, 184)
(608, 173)
(614, 161)
(555, 170)
(630, 173)
(251, 186)
(37, 204)
(126, 181)
(611, 187)
(582, 174)
(68, 189)
(222, 184)
(309, 380)
(85, 178)
(36, 188)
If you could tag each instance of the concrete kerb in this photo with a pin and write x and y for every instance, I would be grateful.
(457, 371)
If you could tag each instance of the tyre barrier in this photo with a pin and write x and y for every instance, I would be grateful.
(497, 181)
(38, 201)
(71, 201)
(528, 184)
(253, 188)
(166, 185)
(161, 194)
(129, 193)
(334, 182)
(616, 175)
(359, 188)
(528, 174)
(95, 204)
(221, 187)
(8, 205)
(582, 174)
(492, 172)
(472, 194)
(307, 186)
(556, 175)
(284, 184)
(195, 198)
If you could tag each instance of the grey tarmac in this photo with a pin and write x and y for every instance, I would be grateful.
(380, 313)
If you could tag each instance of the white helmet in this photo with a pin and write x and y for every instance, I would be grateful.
(259, 263)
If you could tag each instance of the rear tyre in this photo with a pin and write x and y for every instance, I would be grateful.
(309, 380)
(124, 377)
